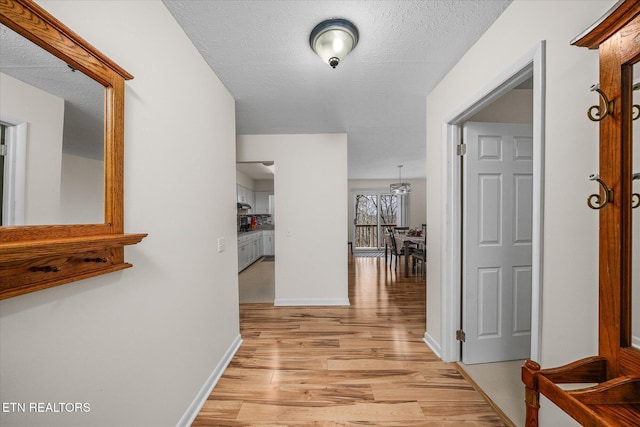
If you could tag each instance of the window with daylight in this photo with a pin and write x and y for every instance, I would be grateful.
(373, 213)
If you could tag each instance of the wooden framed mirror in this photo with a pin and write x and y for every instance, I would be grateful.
(35, 257)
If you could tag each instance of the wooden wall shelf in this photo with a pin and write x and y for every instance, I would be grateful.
(37, 265)
(43, 248)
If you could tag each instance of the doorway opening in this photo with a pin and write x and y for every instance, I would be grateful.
(529, 70)
(256, 231)
(531, 66)
(13, 160)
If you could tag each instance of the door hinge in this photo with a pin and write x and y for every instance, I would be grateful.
(461, 149)
(3, 150)
(460, 336)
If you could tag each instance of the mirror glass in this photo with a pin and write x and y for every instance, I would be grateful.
(635, 245)
(52, 123)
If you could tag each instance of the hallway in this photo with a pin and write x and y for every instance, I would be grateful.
(365, 364)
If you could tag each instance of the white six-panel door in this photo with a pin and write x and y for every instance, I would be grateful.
(497, 237)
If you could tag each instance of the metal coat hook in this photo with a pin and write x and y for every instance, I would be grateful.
(635, 197)
(600, 113)
(595, 201)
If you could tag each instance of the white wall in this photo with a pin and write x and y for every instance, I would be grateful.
(417, 199)
(244, 180)
(138, 345)
(44, 114)
(569, 314)
(310, 186)
(516, 106)
(82, 190)
(263, 185)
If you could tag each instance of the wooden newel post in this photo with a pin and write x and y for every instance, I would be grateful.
(530, 372)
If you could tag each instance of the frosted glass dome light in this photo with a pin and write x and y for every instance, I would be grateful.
(333, 39)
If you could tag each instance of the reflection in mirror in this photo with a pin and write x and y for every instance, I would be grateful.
(52, 122)
(635, 242)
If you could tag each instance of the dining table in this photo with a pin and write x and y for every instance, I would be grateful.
(406, 241)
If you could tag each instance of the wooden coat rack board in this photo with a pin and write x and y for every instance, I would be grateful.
(613, 395)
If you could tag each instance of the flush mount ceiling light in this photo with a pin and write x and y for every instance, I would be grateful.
(401, 187)
(333, 39)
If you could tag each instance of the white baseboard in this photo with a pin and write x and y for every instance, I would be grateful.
(205, 391)
(310, 301)
(433, 345)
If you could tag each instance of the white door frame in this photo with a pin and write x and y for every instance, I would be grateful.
(15, 167)
(532, 64)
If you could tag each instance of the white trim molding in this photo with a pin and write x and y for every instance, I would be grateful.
(433, 345)
(15, 172)
(201, 398)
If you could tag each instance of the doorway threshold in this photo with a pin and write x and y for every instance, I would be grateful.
(499, 383)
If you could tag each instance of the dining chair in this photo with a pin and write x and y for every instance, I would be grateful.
(387, 243)
(419, 255)
(394, 250)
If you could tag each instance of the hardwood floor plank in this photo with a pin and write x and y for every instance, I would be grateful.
(453, 411)
(361, 365)
(344, 377)
(218, 409)
(382, 411)
(381, 363)
(308, 395)
(426, 392)
(254, 376)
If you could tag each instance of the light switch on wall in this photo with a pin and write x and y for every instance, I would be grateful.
(221, 244)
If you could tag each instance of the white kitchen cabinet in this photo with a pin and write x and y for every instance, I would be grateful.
(268, 242)
(256, 249)
(250, 248)
(262, 202)
(243, 255)
(242, 195)
(251, 199)
(246, 195)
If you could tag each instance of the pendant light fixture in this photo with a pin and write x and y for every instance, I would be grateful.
(333, 39)
(401, 187)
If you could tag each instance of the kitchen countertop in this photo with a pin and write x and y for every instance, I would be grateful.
(244, 233)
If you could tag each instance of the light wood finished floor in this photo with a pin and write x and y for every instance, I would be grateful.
(365, 364)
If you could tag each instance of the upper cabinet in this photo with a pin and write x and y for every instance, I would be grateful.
(615, 398)
(263, 205)
(246, 195)
(41, 250)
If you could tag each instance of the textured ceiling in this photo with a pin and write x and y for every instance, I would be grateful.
(377, 95)
(260, 51)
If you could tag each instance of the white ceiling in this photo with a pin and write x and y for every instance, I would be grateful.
(256, 170)
(260, 51)
(377, 95)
